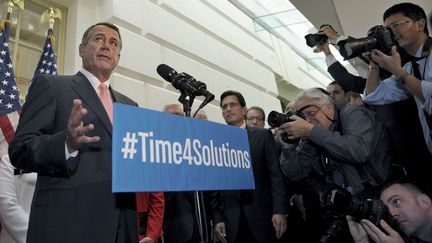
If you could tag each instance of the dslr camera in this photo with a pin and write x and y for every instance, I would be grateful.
(338, 203)
(378, 37)
(313, 39)
(275, 119)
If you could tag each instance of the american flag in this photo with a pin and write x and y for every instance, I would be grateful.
(47, 62)
(9, 97)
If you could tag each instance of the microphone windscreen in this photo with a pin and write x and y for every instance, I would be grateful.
(166, 72)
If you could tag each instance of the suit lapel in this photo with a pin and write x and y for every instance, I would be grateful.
(90, 98)
(251, 136)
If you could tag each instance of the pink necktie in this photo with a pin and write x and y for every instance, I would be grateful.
(106, 100)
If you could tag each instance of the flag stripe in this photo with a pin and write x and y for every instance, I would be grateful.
(7, 128)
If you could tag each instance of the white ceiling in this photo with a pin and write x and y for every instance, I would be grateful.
(350, 17)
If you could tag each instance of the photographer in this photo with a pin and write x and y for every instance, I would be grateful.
(409, 25)
(409, 205)
(401, 117)
(346, 147)
(348, 81)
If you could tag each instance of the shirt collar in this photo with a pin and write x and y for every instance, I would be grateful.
(419, 51)
(93, 79)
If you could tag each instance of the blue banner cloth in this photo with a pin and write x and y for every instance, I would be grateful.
(158, 151)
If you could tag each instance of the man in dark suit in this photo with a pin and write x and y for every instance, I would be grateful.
(252, 215)
(64, 135)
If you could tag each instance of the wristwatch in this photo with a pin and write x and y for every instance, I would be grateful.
(401, 79)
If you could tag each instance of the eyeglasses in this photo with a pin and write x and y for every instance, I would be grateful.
(309, 110)
(253, 118)
(396, 25)
(230, 106)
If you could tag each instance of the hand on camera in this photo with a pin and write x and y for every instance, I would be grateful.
(357, 231)
(379, 236)
(391, 63)
(325, 47)
(298, 128)
(361, 232)
(329, 32)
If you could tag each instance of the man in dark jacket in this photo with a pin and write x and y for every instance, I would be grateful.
(65, 135)
(409, 148)
(252, 215)
(345, 147)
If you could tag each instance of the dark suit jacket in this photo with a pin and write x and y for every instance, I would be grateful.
(347, 81)
(180, 219)
(268, 198)
(73, 200)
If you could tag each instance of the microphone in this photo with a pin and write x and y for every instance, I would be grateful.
(201, 90)
(185, 83)
(178, 80)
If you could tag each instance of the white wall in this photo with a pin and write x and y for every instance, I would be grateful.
(212, 40)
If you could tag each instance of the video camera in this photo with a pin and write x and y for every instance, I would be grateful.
(275, 119)
(339, 203)
(378, 37)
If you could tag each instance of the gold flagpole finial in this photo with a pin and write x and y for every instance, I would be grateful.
(50, 15)
(12, 3)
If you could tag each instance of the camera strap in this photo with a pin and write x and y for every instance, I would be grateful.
(368, 180)
(426, 50)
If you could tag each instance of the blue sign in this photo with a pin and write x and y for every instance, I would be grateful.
(157, 151)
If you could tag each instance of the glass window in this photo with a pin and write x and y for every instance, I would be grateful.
(27, 36)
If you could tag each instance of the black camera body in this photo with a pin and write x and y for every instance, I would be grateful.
(378, 37)
(275, 119)
(338, 202)
(344, 203)
(313, 39)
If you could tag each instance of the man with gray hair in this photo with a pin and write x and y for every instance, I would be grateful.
(342, 148)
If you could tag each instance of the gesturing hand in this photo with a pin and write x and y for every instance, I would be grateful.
(76, 130)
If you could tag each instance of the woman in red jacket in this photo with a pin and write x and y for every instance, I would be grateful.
(150, 210)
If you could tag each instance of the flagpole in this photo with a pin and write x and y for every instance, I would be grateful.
(17, 37)
(11, 4)
(48, 62)
(49, 16)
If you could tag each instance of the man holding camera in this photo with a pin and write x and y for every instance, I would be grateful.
(344, 147)
(410, 143)
(409, 25)
(410, 207)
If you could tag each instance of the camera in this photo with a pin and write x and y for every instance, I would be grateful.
(378, 37)
(275, 119)
(313, 39)
(339, 202)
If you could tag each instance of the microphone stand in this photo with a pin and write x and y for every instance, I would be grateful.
(187, 99)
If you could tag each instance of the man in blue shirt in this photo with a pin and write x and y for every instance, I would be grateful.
(409, 25)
